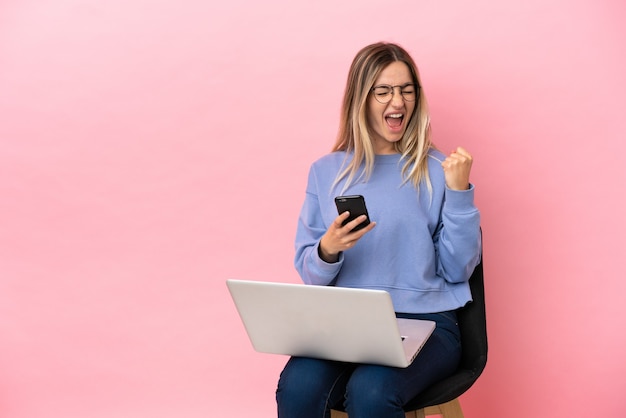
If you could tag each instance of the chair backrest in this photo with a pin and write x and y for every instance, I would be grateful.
(473, 325)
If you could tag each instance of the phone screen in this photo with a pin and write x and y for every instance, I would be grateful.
(356, 206)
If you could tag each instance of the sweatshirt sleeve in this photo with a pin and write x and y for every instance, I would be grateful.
(309, 232)
(458, 239)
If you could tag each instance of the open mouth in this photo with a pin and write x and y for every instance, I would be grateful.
(394, 120)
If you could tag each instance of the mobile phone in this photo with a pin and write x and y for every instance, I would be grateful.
(356, 206)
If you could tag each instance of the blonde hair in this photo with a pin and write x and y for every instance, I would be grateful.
(354, 133)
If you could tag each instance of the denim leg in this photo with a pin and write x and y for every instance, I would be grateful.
(308, 387)
(379, 391)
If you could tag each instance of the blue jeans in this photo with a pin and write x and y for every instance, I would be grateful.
(309, 388)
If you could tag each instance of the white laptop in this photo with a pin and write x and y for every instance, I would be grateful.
(328, 322)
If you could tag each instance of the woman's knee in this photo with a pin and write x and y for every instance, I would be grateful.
(297, 381)
(366, 390)
(309, 385)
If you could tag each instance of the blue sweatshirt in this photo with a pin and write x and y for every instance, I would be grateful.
(422, 250)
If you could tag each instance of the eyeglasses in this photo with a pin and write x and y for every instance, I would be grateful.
(383, 93)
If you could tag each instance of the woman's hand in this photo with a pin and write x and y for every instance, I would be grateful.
(456, 169)
(339, 238)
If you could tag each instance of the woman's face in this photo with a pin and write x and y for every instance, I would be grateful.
(388, 121)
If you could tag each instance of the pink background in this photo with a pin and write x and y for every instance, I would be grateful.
(152, 149)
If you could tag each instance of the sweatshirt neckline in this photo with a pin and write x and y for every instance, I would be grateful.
(387, 158)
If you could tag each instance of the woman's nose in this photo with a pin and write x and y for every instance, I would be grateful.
(397, 100)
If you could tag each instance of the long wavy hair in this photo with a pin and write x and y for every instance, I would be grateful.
(355, 135)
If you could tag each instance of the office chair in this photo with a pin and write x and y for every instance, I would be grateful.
(442, 397)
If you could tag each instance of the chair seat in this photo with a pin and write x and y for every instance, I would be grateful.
(445, 390)
(450, 409)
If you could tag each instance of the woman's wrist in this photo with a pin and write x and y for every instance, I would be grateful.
(325, 255)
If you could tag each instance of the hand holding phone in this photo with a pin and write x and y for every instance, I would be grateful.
(336, 239)
(356, 206)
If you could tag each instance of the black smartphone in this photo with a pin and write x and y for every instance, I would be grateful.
(356, 206)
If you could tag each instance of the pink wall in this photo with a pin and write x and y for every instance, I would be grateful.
(151, 149)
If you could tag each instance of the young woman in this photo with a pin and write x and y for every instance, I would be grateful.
(421, 246)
